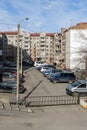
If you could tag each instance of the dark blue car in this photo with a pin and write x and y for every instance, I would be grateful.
(63, 77)
(50, 72)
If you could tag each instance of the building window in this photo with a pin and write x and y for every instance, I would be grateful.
(26, 45)
(20, 35)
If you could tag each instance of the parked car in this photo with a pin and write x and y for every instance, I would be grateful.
(9, 69)
(48, 73)
(43, 69)
(53, 74)
(9, 86)
(76, 88)
(11, 76)
(1, 65)
(38, 63)
(6, 63)
(8, 75)
(63, 77)
(38, 67)
(13, 64)
(12, 70)
(47, 67)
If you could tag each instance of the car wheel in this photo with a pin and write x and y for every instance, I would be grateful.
(54, 81)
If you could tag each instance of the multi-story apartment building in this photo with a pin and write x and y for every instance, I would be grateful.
(60, 48)
(42, 47)
(9, 41)
(47, 47)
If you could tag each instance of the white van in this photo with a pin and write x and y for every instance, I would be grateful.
(76, 88)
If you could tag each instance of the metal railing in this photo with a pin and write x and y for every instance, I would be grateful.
(50, 100)
(38, 101)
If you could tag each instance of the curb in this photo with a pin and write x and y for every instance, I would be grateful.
(15, 107)
(4, 100)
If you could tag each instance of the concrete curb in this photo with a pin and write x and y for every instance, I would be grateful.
(83, 103)
(4, 100)
(14, 107)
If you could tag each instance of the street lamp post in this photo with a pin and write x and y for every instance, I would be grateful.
(21, 50)
(18, 71)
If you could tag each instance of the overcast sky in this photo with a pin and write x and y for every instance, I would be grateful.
(44, 15)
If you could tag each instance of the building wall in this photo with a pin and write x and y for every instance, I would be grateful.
(67, 53)
(63, 48)
(75, 40)
(57, 48)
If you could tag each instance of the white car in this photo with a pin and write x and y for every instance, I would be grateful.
(37, 63)
(44, 69)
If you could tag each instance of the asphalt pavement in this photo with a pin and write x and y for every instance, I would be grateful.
(47, 118)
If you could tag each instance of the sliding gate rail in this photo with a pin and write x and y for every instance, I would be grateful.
(51, 100)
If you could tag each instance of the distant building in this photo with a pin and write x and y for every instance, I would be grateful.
(9, 42)
(42, 47)
(60, 48)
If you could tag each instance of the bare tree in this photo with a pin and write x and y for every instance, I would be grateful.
(81, 50)
(83, 53)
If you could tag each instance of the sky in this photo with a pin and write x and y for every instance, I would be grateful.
(44, 15)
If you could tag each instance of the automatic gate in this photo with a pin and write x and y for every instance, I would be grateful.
(50, 100)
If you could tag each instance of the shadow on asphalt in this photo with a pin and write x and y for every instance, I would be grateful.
(24, 98)
(25, 68)
(33, 89)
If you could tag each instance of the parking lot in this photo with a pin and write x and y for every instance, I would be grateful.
(39, 85)
(39, 89)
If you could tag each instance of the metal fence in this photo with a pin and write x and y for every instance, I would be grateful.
(50, 100)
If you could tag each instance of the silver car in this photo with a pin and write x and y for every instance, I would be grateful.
(76, 88)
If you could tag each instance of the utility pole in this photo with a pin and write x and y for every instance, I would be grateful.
(18, 71)
(17, 94)
(21, 59)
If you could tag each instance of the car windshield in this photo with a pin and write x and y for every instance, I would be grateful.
(74, 84)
